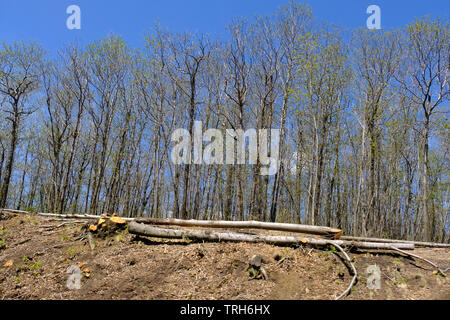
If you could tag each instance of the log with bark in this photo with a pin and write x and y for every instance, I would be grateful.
(61, 216)
(151, 231)
(416, 243)
(289, 227)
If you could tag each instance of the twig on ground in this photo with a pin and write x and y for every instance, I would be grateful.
(45, 250)
(355, 274)
(264, 273)
(21, 242)
(281, 260)
(421, 258)
(63, 224)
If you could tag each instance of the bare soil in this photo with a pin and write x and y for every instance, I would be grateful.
(125, 267)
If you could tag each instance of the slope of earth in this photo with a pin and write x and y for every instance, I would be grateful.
(36, 253)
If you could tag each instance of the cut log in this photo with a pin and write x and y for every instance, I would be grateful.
(289, 227)
(416, 243)
(148, 230)
(61, 216)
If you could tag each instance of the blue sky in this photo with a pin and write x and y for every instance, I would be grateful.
(45, 20)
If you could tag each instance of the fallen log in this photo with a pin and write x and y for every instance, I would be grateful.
(416, 243)
(289, 227)
(61, 216)
(151, 231)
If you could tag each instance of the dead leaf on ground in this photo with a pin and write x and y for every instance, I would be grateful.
(8, 264)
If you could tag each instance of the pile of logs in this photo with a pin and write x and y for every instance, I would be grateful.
(324, 235)
(145, 227)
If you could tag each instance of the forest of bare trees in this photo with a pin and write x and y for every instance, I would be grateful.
(362, 117)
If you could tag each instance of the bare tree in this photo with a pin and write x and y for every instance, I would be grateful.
(19, 78)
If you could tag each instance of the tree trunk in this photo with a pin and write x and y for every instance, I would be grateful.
(427, 218)
(11, 157)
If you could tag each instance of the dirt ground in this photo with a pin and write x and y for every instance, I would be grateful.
(35, 254)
